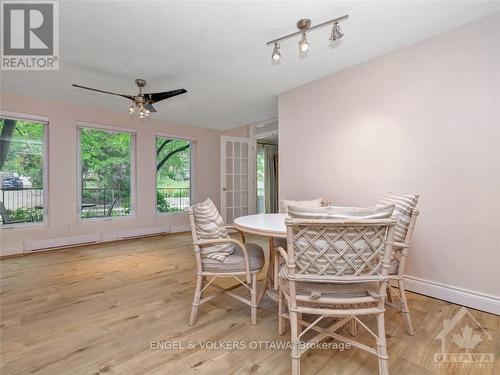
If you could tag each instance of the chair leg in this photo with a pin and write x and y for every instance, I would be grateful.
(295, 343)
(253, 300)
(281, 320)
(353, 327)
(404, 308)
(383, 363)
(196, 300)
(389, 295)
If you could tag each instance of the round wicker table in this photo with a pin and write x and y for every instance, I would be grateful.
(271, 226)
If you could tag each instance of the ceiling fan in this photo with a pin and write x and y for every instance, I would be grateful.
(143, 103)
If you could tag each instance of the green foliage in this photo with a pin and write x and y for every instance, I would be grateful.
(106, 167)
(177, 168)
(162, 204)
(25, 156)
(26, 214)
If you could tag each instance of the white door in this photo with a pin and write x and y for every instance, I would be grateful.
(238, 190)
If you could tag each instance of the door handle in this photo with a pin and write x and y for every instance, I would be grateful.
(224, 189)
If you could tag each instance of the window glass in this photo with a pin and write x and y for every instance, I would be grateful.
(106, 173)
(173, 174)
(22, 190)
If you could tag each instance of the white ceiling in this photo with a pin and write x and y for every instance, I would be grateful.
(216, 50)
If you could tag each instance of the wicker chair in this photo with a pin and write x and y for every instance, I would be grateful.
(397, 298)
(247, 260)
(335, 268)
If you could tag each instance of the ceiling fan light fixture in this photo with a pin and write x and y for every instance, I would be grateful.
(336, 33)
(142, 102)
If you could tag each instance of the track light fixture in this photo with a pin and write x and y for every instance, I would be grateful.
(336, 34)
(304, 26)
(276, 52)
(303, 43)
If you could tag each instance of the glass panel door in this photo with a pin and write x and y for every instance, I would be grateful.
(237, 177)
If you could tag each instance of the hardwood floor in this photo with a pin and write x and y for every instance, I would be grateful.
(99, 310)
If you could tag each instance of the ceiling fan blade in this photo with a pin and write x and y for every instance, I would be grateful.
(104, 92)
(159, 96)
(149, 107)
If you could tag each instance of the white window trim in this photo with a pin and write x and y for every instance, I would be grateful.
(23, 116)
(133, 187)
(192, 170)
(45, 163)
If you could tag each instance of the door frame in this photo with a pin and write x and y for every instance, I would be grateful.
(252, 173)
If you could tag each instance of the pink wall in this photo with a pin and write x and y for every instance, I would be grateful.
(425, 119)
(63, 171)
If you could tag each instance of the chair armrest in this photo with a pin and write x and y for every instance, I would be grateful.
(401, 245)
(218, 241)
(281, 252)
(232, 227)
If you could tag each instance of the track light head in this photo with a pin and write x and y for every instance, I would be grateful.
(276, 52)
(336, 34)
(303, 43)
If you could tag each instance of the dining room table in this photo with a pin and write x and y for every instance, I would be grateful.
(271, 226)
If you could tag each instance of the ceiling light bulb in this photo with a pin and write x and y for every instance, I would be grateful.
(141, 115)
(276, 52)
(147, 111)
(303, 43)
(131, 109)
(336, 34)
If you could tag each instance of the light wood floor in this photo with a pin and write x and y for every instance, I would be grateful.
(96, 310)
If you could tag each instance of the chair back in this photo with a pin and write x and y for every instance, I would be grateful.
(111, 207)
(411, 226)
(339, 251)
(4, 214)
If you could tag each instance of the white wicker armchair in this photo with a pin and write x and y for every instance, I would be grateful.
(334, 268)
(247, 260)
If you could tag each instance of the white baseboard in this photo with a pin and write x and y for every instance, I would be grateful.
(142, 232)
(460, 296)
(180, 228)
(11, 250)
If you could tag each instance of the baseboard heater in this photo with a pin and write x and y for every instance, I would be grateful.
(142, 232)
(57, 243)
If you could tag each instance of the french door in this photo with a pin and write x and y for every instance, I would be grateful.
(238, 190)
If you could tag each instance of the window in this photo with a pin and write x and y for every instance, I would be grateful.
(173, 174)
(106, 170)
(22, 171)
(261, 206)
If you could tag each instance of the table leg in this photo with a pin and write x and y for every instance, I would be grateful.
(271, 281)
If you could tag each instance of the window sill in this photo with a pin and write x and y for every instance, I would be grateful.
(105, 219)
(166, 214)
(24, 226)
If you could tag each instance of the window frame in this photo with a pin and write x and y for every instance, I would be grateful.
(133, 180)
(45, 164)
(192, 170)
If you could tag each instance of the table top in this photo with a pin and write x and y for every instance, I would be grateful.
(271, 225)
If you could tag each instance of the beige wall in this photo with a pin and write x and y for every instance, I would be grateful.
(425, 119)
(63, 171)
